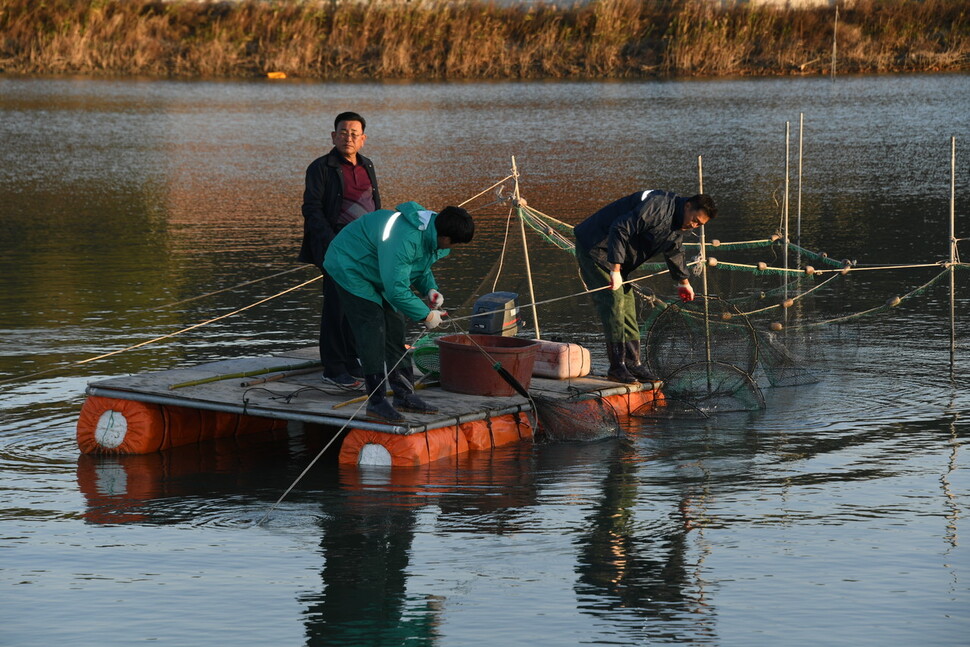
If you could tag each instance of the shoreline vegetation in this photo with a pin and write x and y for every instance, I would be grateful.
(477, 39)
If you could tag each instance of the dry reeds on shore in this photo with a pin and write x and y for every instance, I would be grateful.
(475, 39)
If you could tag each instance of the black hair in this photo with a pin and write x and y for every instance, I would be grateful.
(456, 224)
(349, 116)
(705, 203)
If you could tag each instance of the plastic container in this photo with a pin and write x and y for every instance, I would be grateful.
(560, 361)
(466, 363)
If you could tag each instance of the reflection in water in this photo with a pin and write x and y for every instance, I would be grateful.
(367, 531)
(633, 566)
(366, 536)
(179, 485)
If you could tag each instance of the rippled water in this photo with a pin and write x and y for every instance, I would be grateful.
(831, 517)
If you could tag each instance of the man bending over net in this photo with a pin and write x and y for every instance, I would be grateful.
(618, 239)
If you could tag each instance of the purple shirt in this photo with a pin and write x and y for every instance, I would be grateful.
(358, 197)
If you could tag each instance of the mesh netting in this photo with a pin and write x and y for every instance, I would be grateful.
(581, 419)
(424, 353)
(706, 329)
(779, 309)
(704, 389)
(779, 364)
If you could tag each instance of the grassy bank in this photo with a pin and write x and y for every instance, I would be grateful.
(473, 39)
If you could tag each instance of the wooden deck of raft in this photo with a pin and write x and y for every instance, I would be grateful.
(177, 395)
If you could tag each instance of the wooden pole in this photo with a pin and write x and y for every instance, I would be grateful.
(525, 249)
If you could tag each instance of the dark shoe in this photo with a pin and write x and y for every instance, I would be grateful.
(618, 372)
(631, 359)
(343, 380)
(377, 404)
(413, 404)
(402, 383)
(383, 410)
(622, 376)
(641, 373)
(355, 370)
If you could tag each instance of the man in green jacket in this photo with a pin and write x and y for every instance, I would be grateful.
(378, 262)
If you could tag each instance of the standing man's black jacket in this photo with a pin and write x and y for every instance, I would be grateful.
(321, 204)
(633, 229)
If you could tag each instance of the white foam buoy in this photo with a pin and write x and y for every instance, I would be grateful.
(111, 429)
(374, 454)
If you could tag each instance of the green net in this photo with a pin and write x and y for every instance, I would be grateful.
(424, 355)
(708, 329)
(767, 314)
(702, 390)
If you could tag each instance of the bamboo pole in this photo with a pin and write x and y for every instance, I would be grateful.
(953, 255)
(784, 210)
(798, 206)
(703, 257)
(525, 249)
(707, 303)
(835, 32)
(229, 376)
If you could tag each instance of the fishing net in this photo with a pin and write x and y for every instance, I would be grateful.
(425, 355)
(779, 363)
(580, 418)
(780, 309)
(702, 390)
(708, 329)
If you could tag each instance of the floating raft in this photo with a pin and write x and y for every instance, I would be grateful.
(145, 413)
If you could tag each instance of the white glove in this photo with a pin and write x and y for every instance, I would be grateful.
(616, 280)
(434, 319)
(435, 298)
(686, 292)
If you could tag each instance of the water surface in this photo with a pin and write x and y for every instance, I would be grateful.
(832, 517)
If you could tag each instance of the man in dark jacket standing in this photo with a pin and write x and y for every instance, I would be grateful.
(618, 239)
(341, 186)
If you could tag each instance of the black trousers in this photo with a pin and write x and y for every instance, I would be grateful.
(338, 350)
(379, 330)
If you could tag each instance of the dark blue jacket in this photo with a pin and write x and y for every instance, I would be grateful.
(321, 203)
(632, 230)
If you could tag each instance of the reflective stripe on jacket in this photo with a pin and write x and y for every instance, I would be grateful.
(382, 254)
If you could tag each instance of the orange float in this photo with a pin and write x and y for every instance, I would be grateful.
(115, 426)
(368, 447)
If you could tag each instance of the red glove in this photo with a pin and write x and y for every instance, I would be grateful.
(435, 298)
(686, 292)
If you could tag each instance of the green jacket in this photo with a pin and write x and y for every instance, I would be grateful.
(382, 254)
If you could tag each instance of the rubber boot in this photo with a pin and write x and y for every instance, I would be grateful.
(616, 351)
(633, 365)
(402, 383)
(377, 405)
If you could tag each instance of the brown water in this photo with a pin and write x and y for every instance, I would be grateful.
(832, 517)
